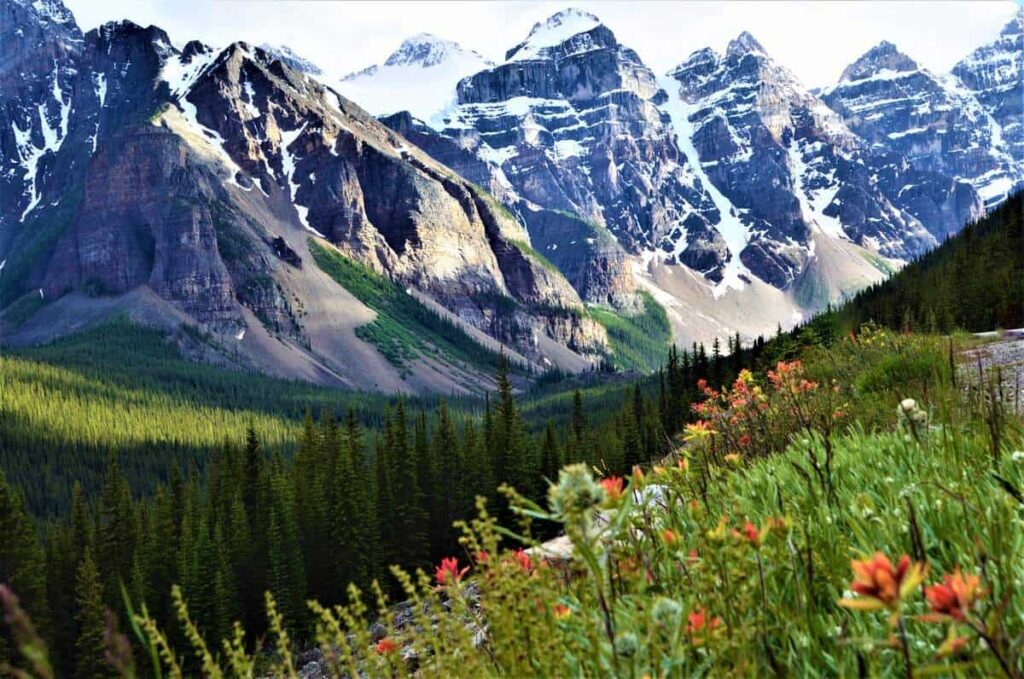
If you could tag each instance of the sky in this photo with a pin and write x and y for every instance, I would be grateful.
(816, 40)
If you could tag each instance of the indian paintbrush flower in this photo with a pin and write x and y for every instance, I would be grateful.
(613, 486)
(448, 572)
(953, 597)
(882, 585)
(386, 646)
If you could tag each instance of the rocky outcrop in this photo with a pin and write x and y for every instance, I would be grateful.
(791, 167)
(994, 74)
(941, 131)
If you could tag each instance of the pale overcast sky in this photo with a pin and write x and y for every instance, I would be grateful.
(814, 39)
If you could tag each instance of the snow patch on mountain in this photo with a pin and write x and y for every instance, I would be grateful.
(553, 32)
(733, 231)
(419, 77)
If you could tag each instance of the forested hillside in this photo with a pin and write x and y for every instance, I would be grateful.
(974, 281)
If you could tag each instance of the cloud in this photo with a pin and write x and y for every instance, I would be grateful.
(814, 39)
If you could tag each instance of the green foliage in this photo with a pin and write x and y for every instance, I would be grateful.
(730, 559)
(973, 281)
(65, 405)
(528, 250)
(638, 341)
(404, 329)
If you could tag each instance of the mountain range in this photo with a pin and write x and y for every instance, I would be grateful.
(364, 230)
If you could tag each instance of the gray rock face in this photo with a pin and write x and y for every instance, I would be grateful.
(574, 125)
(993, 73)
(785, 161)
(935, 124)
(177, 171)
(727, 167)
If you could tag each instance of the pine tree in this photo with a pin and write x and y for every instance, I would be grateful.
(22, 562)
(90, 645)
(117, 534)
(549, 458)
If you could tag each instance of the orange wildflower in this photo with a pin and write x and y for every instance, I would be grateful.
(561, 611)
(386, 646)
(448, 572)
(669, 536)
(522, 559)
(882, 585)
(613, 486)
(953, 597)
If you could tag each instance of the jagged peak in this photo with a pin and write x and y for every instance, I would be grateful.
(1016, 25)
(115, 30)
(194, 48)
(698, 58)
(743, 44)
(884, 56)
(292, 58)
(53, 11)
(426, 50)
(553, 31)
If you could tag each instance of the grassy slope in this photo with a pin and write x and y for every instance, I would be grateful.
(639, 341)
(404, 329)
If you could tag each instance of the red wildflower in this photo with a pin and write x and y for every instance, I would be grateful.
(953, 597)
(482, 556)
(448, 572)
(523, 560)
(745, 440)
(698, 623)
(613, 487)
(752, 535)
(386, 646)
(693, 556)
(561, 611)
(882, 585)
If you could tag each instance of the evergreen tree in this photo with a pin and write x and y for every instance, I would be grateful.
(22, 562)
(90, 645)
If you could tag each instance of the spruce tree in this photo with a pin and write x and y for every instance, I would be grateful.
(90, 645)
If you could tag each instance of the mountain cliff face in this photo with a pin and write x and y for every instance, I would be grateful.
(199, 175)
(932, 121)
(791, 166)
(726, 167)
(993, 73)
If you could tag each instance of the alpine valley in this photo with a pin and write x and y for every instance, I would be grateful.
(397, 228)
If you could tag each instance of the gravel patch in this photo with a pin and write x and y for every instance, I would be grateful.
(1002, 358)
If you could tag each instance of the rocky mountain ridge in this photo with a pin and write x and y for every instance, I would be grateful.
(200, 176)
(727, 169)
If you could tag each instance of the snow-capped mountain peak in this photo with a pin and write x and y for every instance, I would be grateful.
(1016, 25)
(292, 59)
(884, 56)
(427, 50)
(744, 43)
(552, 32)
(50, 11)
(419, 77)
